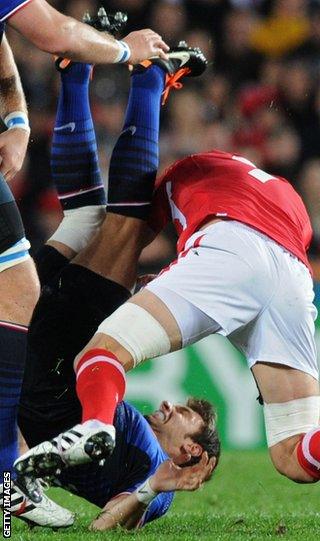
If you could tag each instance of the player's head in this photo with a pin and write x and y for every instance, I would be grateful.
(186, 431)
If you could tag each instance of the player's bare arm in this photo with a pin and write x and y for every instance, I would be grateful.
(14, 141)
(55, 33)
(127, 510)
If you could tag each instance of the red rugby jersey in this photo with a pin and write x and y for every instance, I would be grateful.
(219, 184)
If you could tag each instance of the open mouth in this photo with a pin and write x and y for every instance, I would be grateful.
(159, 414)
(163, 414)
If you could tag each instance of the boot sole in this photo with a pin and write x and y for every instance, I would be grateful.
(42, 465)
(99, 446)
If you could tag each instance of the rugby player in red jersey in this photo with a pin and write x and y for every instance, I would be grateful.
(242, 272)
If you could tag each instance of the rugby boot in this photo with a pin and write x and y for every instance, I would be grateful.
(113, 23)
(183, 61)
(79, 445)
(29, 503)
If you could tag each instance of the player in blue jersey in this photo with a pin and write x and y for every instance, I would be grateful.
(140, 461)
(76, 299)
(19, 286)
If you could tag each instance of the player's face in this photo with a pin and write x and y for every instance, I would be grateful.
(174, 424)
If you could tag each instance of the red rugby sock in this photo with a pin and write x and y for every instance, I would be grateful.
(101, 385)
(308, 453)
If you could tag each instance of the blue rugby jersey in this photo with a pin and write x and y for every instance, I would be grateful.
(9, 7)
(137, 455)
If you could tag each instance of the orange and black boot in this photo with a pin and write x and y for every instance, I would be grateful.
(183, 61)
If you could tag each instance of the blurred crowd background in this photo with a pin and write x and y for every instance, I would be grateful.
(260, 97)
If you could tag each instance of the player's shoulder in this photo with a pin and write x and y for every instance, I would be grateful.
(130, 417)
(192, 163)
(138, 432)
(10, 7)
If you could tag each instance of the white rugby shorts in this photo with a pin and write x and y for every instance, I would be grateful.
(235, 281)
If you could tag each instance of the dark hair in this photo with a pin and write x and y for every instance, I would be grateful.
(208, 436)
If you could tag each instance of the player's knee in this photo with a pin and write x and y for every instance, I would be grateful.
(285, 461)
(132, 334)
(285, 422)
(101, 341)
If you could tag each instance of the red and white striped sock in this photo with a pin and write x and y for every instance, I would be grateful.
(101, 384)
(308, 453)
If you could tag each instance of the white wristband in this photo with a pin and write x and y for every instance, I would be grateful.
(123, 54)
(17, 119)
(144, 493)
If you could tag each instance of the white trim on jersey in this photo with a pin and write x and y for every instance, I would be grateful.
(80, 192)
(13, 11)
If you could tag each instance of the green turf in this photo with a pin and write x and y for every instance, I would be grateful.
(246, 500)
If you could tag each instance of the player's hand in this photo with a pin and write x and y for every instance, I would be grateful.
(144, 44)
(170, 477)
(13, 147)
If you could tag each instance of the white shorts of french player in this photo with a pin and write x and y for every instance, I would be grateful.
(14, 255)
(239, 283)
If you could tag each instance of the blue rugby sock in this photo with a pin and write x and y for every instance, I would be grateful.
(74, 159)
(135, 158)
(13, 344)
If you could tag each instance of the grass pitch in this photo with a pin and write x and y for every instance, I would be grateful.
(246, 500)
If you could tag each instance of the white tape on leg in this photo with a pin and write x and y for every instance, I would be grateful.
(290, 418)
(79, 225)
(137, 331)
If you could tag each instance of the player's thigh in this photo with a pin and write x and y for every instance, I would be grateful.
(225, 273)
(183, 322)
(148, 326)
(280, 383)
(19, 286)
(115, 249)
(19, 291)
(213, 287)
(284, 332)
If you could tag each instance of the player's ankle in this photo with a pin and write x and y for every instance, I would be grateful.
(78, 226)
